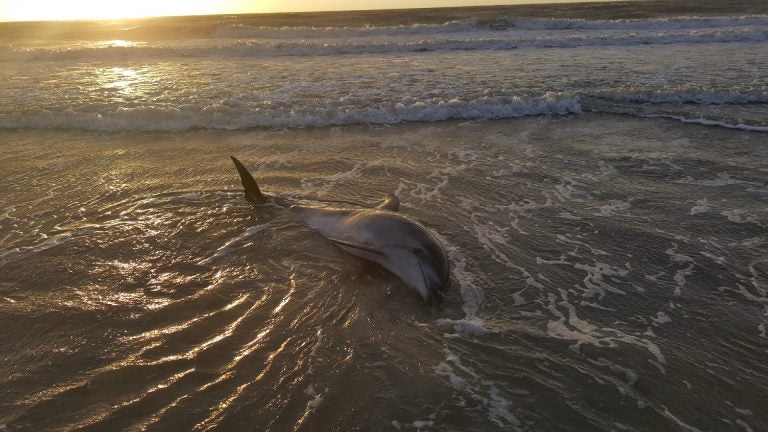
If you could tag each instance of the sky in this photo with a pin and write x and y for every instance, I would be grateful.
(33, 10)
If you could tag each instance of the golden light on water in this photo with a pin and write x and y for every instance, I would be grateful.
(123, 80)
(118, 43)
(41, 10)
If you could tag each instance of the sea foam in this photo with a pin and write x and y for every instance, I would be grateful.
(159, 118)
(247, 41)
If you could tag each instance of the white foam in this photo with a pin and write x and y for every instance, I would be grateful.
(680, 274)
(525, 209)
(748, 295)
(630, 375)
(595, 280)
(716, 258)
(468, 327)
(723, 179)
(244, 41)
(684, 96)
(676, 256)
(614, 207)
(240, 31)
(680, 278)
(466, 380)
(158, 118)
(744, 424)
(702, 206)
(568, 215)
(658, 24)
(572, 328)
(686, 427)
(421, 424)
(739, 216)
(661, 318)
(708, 122)
(471, 292)
(568, 190)
(566, 239)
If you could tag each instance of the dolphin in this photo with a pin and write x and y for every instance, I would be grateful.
(380, 234)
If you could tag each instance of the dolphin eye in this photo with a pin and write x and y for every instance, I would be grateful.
(417, 251)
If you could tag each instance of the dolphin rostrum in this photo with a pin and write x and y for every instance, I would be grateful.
(381, 234)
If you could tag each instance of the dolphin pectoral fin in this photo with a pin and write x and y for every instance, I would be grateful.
(252, 192)
(392, 203)
(358, 246)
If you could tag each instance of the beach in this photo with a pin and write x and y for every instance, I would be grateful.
(599, 182)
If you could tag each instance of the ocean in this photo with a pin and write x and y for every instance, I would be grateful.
(598, 175)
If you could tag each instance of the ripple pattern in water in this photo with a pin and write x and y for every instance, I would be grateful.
(608, 272)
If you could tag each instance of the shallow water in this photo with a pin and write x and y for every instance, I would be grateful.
(608, 273)
(597, 173)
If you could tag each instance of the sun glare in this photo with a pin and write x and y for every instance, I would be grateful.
(34, 10)
(44, 10)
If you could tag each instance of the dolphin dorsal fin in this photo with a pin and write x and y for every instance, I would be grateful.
(392, 203)
(252, 192)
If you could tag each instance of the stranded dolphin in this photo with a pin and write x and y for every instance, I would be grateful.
(400, 244)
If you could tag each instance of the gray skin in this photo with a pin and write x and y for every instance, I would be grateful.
(396, 242)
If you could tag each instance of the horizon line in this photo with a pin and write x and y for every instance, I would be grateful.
(320, 11)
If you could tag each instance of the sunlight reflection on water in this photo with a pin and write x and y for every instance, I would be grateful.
(119, 43)
(124, 80)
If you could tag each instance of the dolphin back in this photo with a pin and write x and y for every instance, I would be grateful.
(252, 192)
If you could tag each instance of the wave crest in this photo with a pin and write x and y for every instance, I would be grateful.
(238, 40)
(152, 118)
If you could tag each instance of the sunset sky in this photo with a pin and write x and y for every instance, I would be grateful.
(30, 10)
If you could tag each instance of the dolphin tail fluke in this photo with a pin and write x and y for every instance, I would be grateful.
(252, 192)
(392, 203)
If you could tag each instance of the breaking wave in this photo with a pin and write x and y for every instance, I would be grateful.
(685, 96)
(150, 118)
(246, 41)
(243, 31)
(658, 24)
